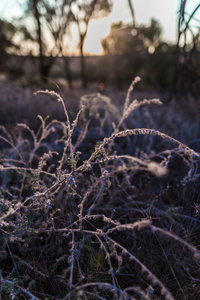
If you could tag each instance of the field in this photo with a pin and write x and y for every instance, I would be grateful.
(99, 200)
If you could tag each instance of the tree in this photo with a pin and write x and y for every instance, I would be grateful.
(186, 56)
(51, 21)
(124, 39)
(7, 33)
(82, 13)
(133, 46)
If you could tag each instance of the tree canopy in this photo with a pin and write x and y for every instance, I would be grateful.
(124, 38)
(7, 43)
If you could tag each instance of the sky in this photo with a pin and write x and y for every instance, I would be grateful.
(165, 11)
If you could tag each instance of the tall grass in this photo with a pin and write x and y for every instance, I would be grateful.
(90, 210)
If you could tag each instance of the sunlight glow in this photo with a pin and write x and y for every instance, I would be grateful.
(98, 29)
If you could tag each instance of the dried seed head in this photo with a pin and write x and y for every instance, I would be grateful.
(156, 169)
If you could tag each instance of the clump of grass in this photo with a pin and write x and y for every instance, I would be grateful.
(98, 223)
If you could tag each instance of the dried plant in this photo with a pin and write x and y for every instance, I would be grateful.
(111, 226)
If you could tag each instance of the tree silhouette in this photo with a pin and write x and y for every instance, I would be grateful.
(83, 12)
(51, 21)
(124, 39)
(186, 56)
(7, 33)
(133, 46)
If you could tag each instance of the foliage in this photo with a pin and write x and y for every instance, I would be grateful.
(138, 48)
(46, 25)
(51, 21)
(54, 17)
(186, 70)
(7, 44)
(124, 39)
(94, 209)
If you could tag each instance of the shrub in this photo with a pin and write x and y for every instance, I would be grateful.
(98, 223)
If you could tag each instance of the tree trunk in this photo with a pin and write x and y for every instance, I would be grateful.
(39, 36)
(82, 64)
(132, 12)
(68, 72)
(44, 68)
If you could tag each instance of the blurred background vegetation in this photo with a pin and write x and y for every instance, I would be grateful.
(34, 47)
